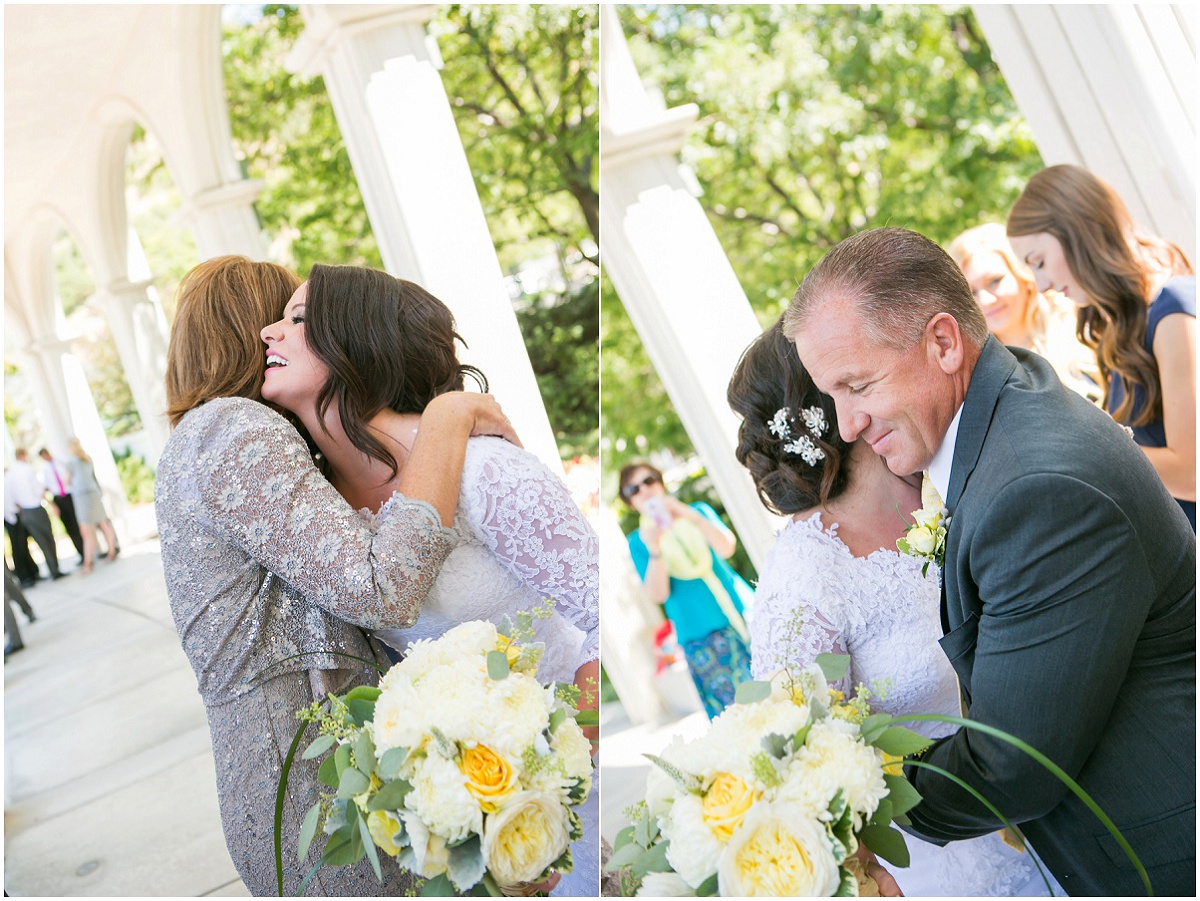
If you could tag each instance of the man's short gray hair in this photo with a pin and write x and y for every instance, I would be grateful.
(898, 279)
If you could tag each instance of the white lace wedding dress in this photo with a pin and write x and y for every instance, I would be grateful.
(521, 538)
(815, 597)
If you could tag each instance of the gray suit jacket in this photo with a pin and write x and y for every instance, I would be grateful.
(1069, 603)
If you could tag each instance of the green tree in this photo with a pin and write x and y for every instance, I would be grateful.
(815, 123)
(285, 133)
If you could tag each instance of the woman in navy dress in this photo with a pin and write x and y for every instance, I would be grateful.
(1136, 295)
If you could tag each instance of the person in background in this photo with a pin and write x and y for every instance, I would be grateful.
(23, 566)
(680, 553)
(90, 505)
(1020, 315)
(58, 482)
(23, 488)
(1136, 300)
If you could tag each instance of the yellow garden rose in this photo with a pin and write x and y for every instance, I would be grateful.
(489, 777)
(778, 852)
(383, 827)
(725, 804)
(511, 651)
(893, 765)
(921, 539)
(525, 836)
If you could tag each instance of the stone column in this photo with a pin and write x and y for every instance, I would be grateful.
(224, 221)
(139, 329)
(381, 70)
(674, 277)
(1112, 88)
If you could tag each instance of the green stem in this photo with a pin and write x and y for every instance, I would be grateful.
(279, 796)
(1048, 764)
(988, 804)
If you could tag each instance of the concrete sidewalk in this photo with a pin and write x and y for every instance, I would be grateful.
(109, 786)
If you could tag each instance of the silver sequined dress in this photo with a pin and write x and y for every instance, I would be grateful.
(264, 560)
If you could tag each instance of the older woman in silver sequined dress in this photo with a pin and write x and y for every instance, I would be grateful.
(265, 561)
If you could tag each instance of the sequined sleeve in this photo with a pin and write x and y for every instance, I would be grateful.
(259, 489)
(527, 517)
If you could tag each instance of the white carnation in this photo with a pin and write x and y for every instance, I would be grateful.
(399, 715)
(834, 757)
(455, 697)
(519, 709)
(439, 797)
(694, 848)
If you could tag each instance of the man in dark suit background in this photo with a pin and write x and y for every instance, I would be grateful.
(1069, 574)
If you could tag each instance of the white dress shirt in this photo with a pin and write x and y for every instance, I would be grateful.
(943, 460)
(22, 485)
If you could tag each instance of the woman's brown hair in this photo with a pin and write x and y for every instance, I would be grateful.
(387, 343)
(1115, 264)
(216, 349)
(626, 476)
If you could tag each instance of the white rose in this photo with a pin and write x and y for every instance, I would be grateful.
(664, 885)
(474, 638)
(525, 836)
(694, 849)
(574, 749)
(778, 851)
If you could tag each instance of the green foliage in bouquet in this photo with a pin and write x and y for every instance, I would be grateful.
(367, 790)
(642, 852)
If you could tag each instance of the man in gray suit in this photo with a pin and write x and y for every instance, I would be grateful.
(1069, 579)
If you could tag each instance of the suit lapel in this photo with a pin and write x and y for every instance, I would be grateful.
(993, 369)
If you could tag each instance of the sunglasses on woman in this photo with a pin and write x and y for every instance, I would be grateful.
(631, 490)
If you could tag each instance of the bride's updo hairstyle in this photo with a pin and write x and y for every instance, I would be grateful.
(387, 343)
(769, 378)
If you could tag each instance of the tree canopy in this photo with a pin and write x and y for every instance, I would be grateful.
(815, 123)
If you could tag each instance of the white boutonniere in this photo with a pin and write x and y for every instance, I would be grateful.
(926, 537)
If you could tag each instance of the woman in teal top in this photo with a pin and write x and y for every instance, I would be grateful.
(680, 552)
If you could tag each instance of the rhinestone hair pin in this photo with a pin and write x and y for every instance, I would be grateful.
(802, 446)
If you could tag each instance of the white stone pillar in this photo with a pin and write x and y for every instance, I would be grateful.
(627, 638)
(224, 221)
(673, 276)
(139, 329)
(381, 70)
(1112, 88)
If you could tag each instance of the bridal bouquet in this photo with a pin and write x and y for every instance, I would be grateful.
(775, 798)
(460, 764)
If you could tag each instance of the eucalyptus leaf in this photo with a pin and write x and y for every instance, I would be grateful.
(901, 742)
(624, 837)
(391, 796)
(587, 718)
(557, 717)
(752, 692)
(361, 711)
(308, 829)
(308, 877)
(834, 666)
(351, 783)
(319, 747)
(389, 763)
(341, 759)
(624, 857)
(327, 773)
(707, 888)
(364, 693)
(364, 754)
(438, 887)
(497, 665)
(652, 861)
(887, 843)
(369, 846)
(901, 793)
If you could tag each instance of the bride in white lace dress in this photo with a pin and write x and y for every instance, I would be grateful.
(356, 357)
(834, 583)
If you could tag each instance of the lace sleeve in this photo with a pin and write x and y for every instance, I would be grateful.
(793, 620)
(528, 519)
(259, 489)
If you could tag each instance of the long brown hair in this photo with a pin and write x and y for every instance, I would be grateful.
(387, 343)
(215, 349)
(1114, 263)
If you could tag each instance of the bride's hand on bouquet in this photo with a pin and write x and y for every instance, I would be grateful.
(481, 411)
(885, 882)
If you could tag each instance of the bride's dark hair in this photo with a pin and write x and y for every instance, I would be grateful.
(387, 343)
(770, 377)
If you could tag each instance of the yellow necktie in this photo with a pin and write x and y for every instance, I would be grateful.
(930, 499)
